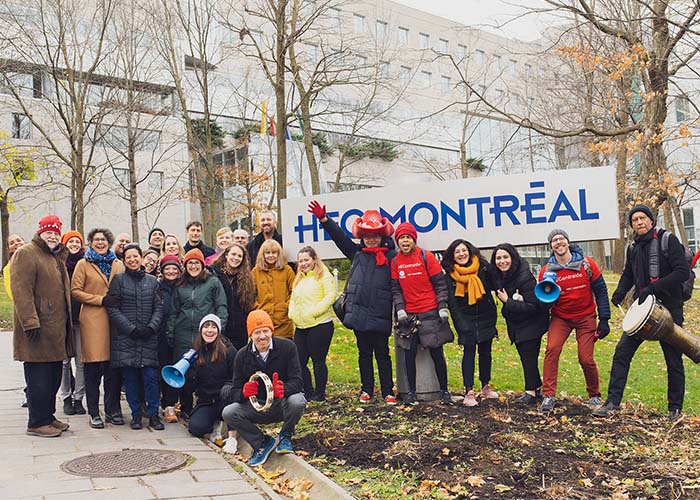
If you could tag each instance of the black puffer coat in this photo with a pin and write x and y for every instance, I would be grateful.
(476, 322)
(368, 305)
(210, 377)
(235, 330)
(140, 304)
(527, 319)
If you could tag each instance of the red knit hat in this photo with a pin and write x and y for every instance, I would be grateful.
(372, 222)
(72, 234)
(406, 228)
(258, 319)
(194, 254)
(170, 260)
(50, 223)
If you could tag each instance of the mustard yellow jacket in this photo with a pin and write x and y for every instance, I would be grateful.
(312, 300)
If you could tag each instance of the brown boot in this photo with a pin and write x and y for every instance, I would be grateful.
(47, 431)
(61, 426)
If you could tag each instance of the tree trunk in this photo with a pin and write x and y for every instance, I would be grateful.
(280, 103)
(598, 248)
(133, 195)
(309, 147)
(618, 257)
(680, 225)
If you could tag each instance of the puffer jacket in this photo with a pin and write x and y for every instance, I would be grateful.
(274, 288)
(140, 305)
(312, 300)
(368, 294)
(527, 319)
(209, 377)
(191, 301)
(476, 322)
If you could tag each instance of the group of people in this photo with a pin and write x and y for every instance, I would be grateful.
(122, 313)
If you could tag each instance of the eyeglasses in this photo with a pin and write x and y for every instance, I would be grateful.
(558, 239)
(99, 239)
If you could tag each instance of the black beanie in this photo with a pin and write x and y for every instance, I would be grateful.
(153, 231)
(641, 208)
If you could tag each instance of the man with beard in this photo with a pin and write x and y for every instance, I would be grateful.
(42, 323)
(268, 230)
(672, 270)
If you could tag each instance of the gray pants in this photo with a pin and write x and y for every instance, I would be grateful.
(79, 390)
(242, 417)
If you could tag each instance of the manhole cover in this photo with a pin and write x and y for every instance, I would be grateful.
(125, 463)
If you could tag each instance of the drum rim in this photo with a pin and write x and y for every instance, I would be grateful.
(270, 396)
(643, 322)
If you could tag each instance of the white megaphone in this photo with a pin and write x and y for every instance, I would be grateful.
(174, 375)
(547, 290)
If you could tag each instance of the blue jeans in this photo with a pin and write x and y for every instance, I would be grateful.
(203, 417)
(150, 386)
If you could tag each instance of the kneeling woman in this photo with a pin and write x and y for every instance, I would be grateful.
(211, 370)
(418, 289)
(134, 322)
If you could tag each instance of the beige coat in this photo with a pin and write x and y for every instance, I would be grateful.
(41, 291)
(88, 287)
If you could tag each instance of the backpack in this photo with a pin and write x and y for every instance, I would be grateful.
(654, 265)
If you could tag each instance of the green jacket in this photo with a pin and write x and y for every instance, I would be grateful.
(191, 301)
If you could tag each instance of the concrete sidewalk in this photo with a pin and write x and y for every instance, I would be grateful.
(30, 467)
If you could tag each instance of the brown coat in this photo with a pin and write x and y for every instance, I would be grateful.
(274, 288)
(88, 287)
(41, 292)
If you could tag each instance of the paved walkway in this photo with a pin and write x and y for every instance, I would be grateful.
(30, 467)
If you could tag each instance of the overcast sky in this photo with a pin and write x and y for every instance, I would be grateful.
(487, 14)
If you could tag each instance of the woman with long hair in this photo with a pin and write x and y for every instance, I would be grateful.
(273, 282)
(232, 267)
(89, 286)
(473, 312)
(172, 246)
(526, 317)
(198, 293)
(310, 308)
(212, 369)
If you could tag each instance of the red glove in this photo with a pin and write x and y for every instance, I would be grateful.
(250, 389)
(318, 210)
(277, 386)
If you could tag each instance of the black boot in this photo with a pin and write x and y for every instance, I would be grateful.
(78, 407)
(68, 406)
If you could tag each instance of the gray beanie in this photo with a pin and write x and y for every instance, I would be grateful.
(210, 317)
(556, 232)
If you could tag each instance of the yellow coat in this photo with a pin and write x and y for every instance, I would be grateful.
(88, 287)
(274, 288)
(312, 300)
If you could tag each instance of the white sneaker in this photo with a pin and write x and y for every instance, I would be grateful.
(215, 436)
(230, 445)
(169, 414)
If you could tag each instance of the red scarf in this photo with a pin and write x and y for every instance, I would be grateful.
(379, 256)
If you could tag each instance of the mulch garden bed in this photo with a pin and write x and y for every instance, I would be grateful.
(501, 449)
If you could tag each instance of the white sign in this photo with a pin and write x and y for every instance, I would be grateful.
(517, 209)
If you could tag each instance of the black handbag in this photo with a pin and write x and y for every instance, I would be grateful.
(341, 301)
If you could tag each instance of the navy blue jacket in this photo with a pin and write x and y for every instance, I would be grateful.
(369, 300)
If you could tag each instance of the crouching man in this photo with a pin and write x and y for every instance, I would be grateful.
(278, 359)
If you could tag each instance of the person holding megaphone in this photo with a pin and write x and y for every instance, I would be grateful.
(581, 290)
(210, 371)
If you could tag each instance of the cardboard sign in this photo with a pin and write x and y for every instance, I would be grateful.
(517, 209)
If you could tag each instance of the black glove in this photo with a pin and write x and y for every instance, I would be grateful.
(602, 330)
(646, 291)
(226, 392)
(616, 300)
(110, 301)
(33, 334)
(135, 334)
(145, 331)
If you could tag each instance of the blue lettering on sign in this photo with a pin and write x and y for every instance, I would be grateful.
(527, 208)
(562, 208)
(433, 212)
(479, 202)
(447, 211)
(397, 218)
(505, 204)
(585, 215)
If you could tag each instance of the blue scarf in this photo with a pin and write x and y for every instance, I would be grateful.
(104, 262)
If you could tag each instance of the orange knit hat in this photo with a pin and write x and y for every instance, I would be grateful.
(194, 254)
(72, 234)
(258, 319)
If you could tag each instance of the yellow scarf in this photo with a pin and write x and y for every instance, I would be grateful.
(467, 280)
